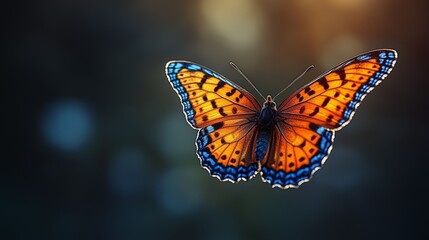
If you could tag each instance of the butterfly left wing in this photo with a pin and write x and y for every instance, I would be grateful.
(308, 119)
(224, 113)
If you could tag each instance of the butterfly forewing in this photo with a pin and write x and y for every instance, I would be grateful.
(331, 99)
(207, 97)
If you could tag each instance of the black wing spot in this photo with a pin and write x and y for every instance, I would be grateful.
(222, 141)
(329, 119)
(280, 154)
(213, 102)
(229, 94)
(302, 109)
(222, 112)
(234, 110)
(291, 164)
(324, 83)
(316, 110)
(289, 155)
(233, 160)
(205, 98)
(223, 157)
(205, 118)
(341, 73)
(301, 159)
(216, 134)
(203, 80)
(326, 101)
(218, 125)
(311, 150)
(313, 127)
(307, 89)
(219, 86)
(237, 152)
(336, 94)
(311, 92)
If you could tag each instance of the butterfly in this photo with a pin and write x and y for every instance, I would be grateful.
(238, 138)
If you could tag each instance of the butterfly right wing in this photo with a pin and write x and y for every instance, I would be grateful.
(225, 115)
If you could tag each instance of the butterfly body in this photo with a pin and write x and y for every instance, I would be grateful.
(238, 138)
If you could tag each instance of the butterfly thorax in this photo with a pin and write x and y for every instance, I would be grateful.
(266, 120)
(268, 114)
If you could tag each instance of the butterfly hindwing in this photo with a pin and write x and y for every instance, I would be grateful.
(225, 150)
(297, 150)
(332, 99)
(225, 115)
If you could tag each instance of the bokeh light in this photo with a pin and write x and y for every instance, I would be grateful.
(67, 124)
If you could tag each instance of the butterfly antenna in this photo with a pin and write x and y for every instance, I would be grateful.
(296, 79)
(244, 76)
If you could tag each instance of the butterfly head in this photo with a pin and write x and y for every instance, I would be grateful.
(269, 103)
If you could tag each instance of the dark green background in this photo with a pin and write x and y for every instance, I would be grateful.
(96, 146)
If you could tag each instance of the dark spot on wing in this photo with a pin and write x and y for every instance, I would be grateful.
(220, 85)
(326, 101)
(336, 94)
(341, 73)
(316, 110)
(203, 80)
(229, 94)
(218, 125)
(222, 112)
(324, 83)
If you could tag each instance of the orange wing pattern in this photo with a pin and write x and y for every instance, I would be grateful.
(207, 97)
(226, 116)
(304, 133)
(332, 99)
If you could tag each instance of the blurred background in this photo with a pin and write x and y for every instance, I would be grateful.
(96, 145)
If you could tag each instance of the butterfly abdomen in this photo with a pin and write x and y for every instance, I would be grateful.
(262, 145)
